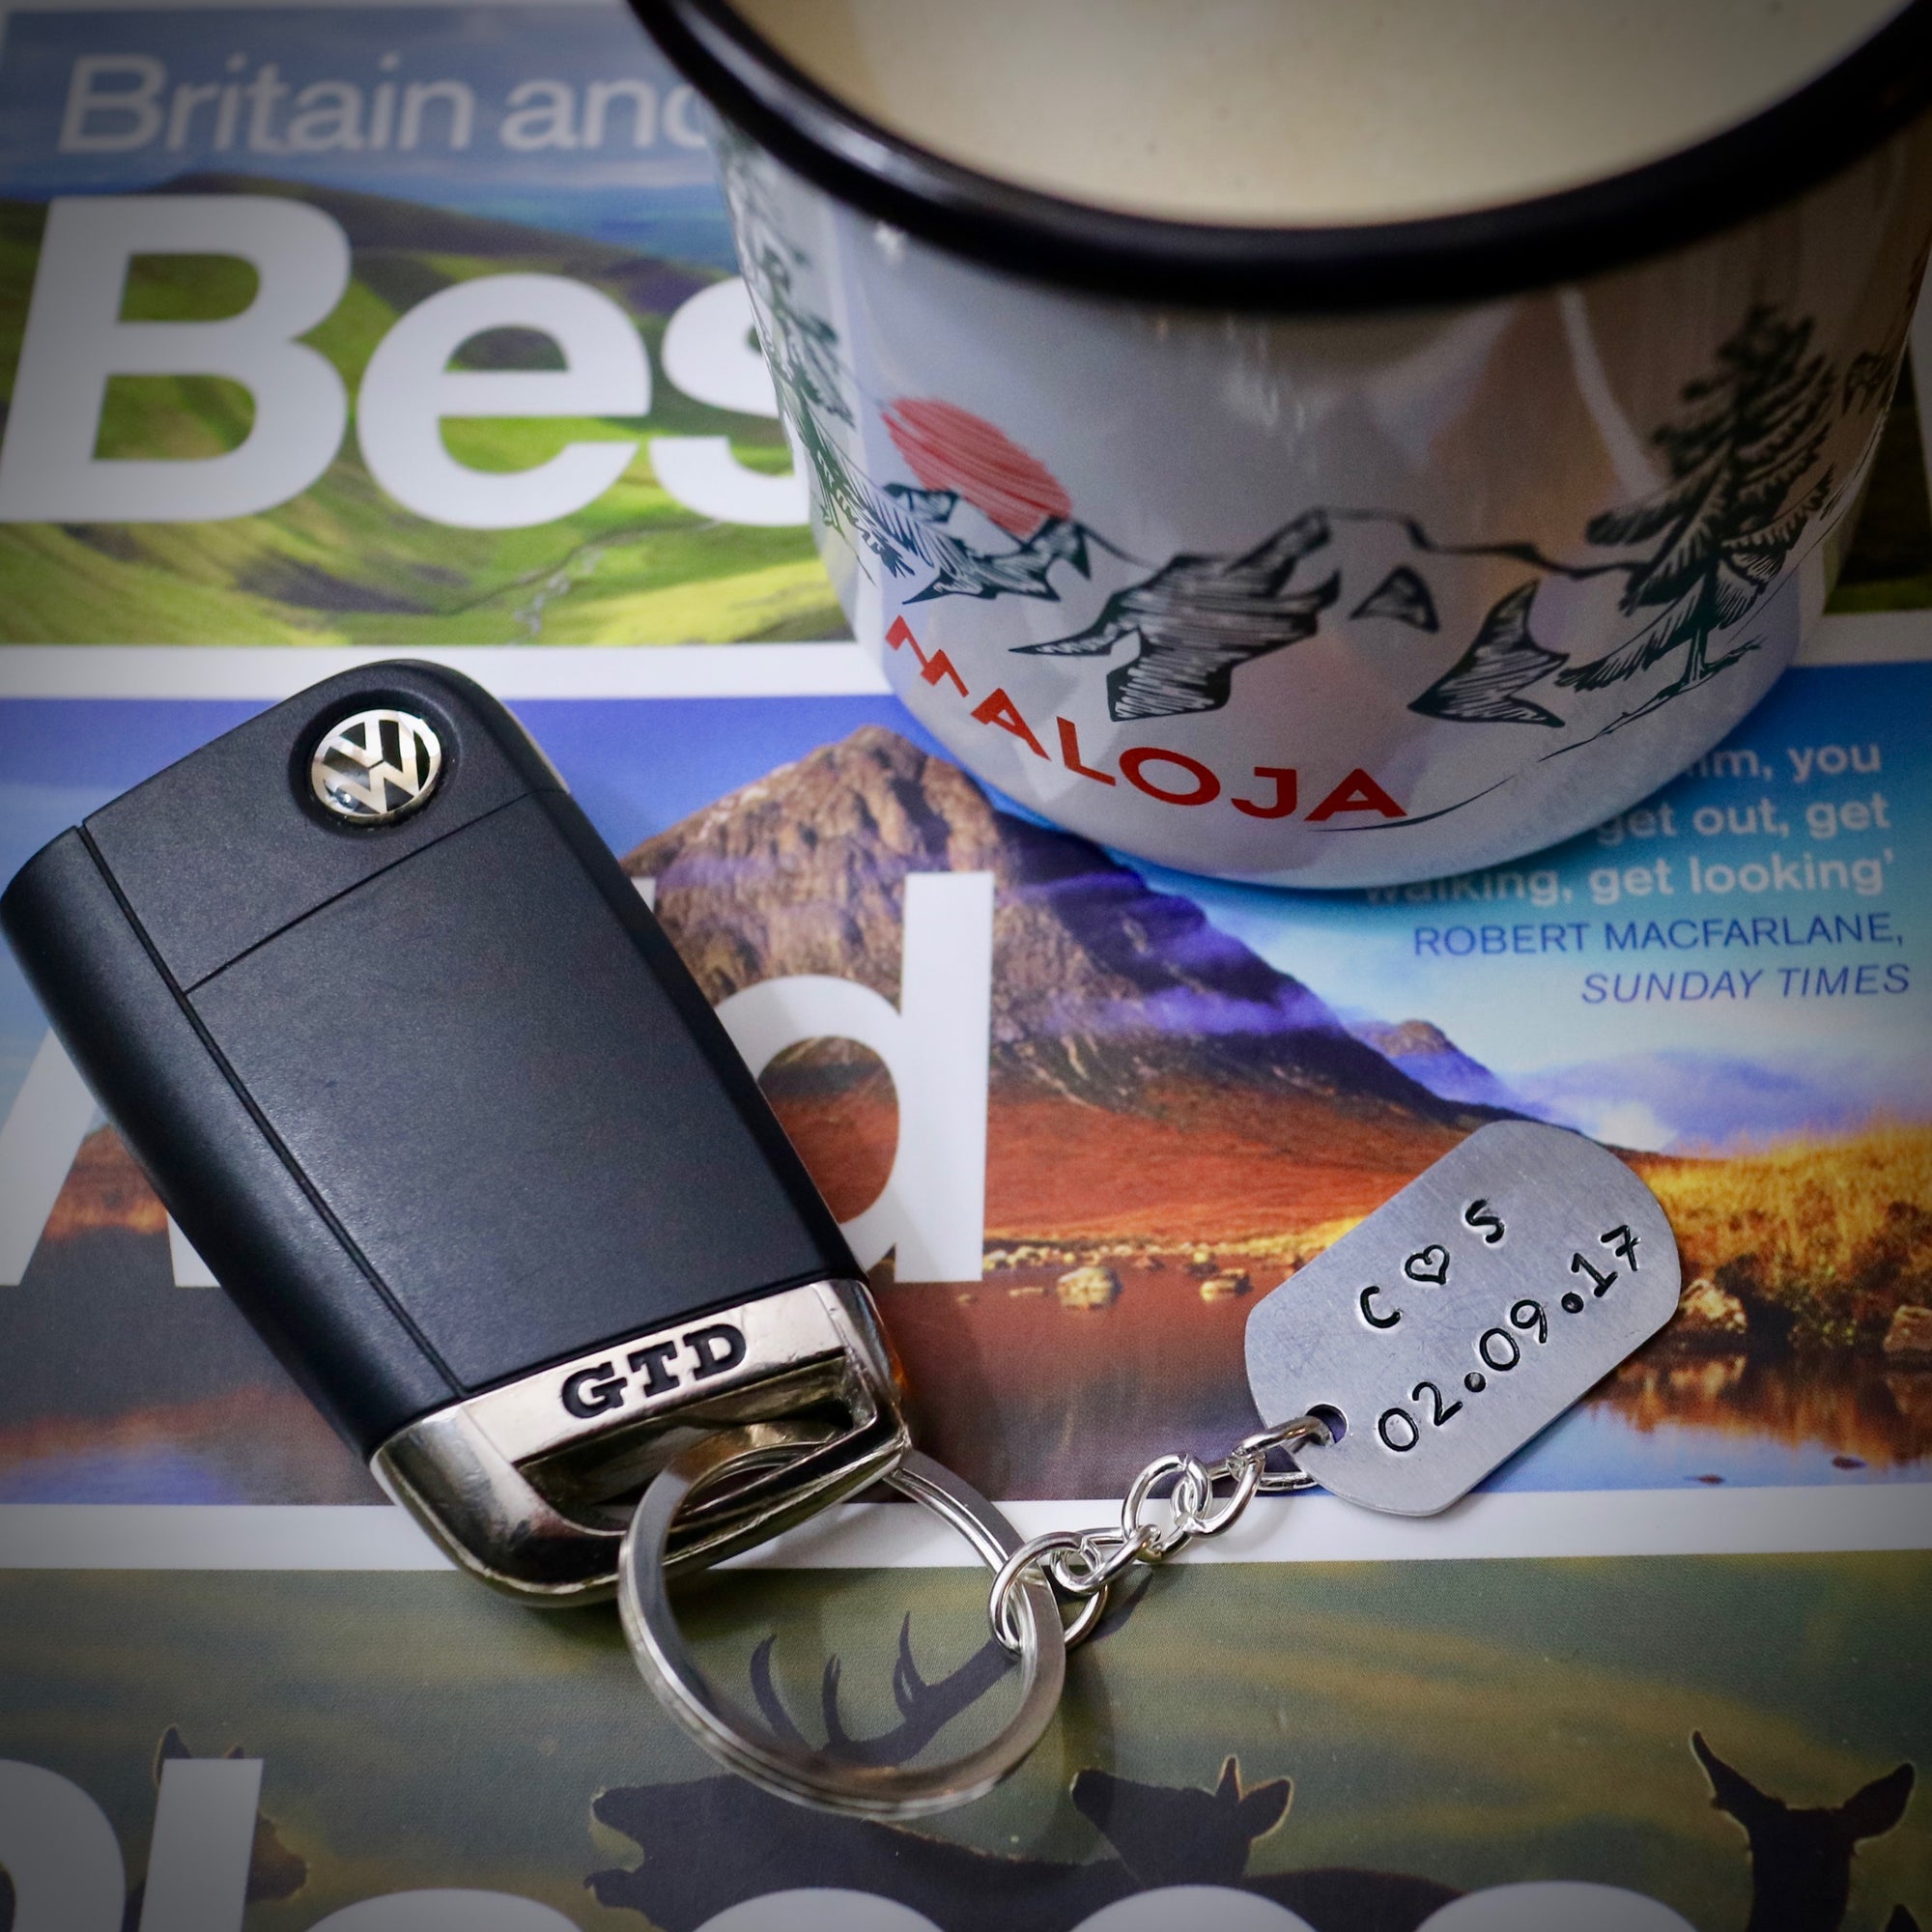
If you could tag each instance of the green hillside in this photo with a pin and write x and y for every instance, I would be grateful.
(342, 563)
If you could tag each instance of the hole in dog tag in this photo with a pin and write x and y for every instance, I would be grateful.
(1466, 1316)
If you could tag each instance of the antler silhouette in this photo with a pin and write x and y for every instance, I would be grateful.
(926, 1708)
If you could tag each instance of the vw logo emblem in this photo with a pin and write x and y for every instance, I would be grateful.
(376, 766)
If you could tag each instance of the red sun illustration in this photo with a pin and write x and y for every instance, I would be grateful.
(950, 448)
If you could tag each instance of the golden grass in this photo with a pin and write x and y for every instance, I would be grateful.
(1832, 1236)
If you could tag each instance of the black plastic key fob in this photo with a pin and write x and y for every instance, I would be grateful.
(415, 1068)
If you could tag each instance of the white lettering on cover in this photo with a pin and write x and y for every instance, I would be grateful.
(75, 341)
(42, 1135)
(542, 116)
(409, 389)
(711, 354)
(111, 120)
(204, 1839)
(932, 1209)
(446, 1910)
(61, 1852)
(118, 104)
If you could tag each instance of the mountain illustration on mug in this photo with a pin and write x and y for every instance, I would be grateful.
(1744, 480)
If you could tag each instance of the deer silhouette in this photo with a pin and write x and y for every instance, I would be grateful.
(727, 1840)
(734, 1842)
(1801, 1858)
(924, 1709)
(955, 1885)
(731, 1841)
(1164, 1837)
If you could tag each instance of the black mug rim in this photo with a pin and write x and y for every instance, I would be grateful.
(1772, 157)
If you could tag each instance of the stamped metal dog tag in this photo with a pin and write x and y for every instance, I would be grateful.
(1466, 1316)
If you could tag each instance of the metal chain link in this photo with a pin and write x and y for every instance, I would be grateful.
(1079, 1564)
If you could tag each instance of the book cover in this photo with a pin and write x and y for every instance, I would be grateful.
(1669, 1668)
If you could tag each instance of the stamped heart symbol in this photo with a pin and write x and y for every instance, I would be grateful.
(1430, 1265)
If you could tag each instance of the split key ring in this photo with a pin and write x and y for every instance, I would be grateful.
(799, 1773)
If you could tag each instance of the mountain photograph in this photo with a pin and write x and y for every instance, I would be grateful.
(1429, 1058)
(1171, 1123)
(1197, 1093)
(1175, 1126)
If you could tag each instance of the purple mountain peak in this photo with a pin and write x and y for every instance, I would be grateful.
(1103, 989)
(1426, 1054)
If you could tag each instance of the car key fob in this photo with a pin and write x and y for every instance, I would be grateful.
(415, 1070)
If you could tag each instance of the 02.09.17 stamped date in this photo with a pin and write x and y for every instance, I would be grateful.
(1497, 1348)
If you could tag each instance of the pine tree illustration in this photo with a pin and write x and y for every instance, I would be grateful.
(802, 347)
(1722, 528)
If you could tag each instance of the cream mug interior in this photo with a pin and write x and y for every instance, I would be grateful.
(1298, 519)
(1291, 112)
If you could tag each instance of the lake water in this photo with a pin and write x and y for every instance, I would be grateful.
(1024, 1397)
(1667, 1419)
(1029, 1399)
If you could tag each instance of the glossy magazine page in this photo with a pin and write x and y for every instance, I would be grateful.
(1673, 1663)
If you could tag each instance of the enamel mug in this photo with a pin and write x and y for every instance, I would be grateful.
(1342, 556)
